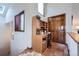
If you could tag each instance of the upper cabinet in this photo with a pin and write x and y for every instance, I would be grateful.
(39, 25)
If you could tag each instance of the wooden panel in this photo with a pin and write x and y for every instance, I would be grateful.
(44, 46)
(37, 39)
(38, 43)
(57, 28)
(54, 36)
(61, 37)
(34, 26)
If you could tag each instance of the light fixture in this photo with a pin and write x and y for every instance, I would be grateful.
(2, 8)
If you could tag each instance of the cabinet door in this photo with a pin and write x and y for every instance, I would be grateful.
(39, 43)
(44, 46)
(34, 43)
(38, 24)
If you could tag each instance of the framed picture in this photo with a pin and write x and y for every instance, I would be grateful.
(19, 22)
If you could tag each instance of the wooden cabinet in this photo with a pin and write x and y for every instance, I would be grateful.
(44, 46)
(56, 25)
(38, 44)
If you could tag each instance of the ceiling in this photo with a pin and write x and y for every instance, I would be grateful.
(3, 10)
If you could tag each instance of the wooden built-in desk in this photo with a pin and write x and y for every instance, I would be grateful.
(74, 36)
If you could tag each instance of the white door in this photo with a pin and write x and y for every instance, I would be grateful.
(18, 42)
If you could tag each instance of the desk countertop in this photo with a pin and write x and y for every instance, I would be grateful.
(74, 36)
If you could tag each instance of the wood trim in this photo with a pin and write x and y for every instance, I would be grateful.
(68, 50)
(57, 15)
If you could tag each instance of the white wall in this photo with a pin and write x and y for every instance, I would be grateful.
(75, 12)
(4, 37)
(22, 40)
(73, 46)
(75, 9)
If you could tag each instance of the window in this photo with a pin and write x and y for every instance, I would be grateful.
(41, 8)
(19, 22)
